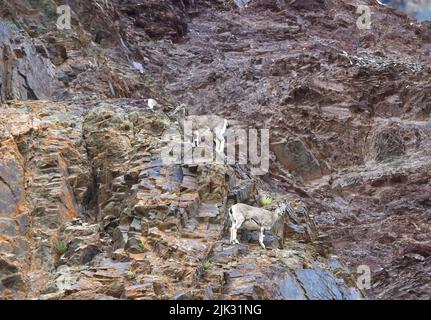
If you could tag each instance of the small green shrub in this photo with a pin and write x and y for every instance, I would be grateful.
(166, 122)
(62, 247)
(142, 243)
(206, 264)
(265, 200)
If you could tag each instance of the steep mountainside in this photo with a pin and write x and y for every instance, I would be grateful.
(88, 209)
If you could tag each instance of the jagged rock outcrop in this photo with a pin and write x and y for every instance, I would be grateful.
(25, 74)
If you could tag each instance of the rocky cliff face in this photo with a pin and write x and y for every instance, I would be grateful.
(88, 210)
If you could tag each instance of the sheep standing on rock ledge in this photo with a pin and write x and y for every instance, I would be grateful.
(252, 218)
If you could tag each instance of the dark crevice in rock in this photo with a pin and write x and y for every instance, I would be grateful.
(31, 95)
(90, 201)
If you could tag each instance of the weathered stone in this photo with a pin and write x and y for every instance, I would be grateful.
(7, 227)
(290, 289)
(13, 281)
(209, 212)
(297, 158)
(7, 268)
(387, 143)
(24, 73)
(23, 223)
(321, 285)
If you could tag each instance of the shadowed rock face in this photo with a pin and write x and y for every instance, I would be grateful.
(25, 74)
(88, 210)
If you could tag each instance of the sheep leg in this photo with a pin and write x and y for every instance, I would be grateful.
(232, 231)
(238, 225)
(261, 236)
(235, 235)
(232, 227)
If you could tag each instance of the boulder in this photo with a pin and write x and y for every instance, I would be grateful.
(295, 156)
